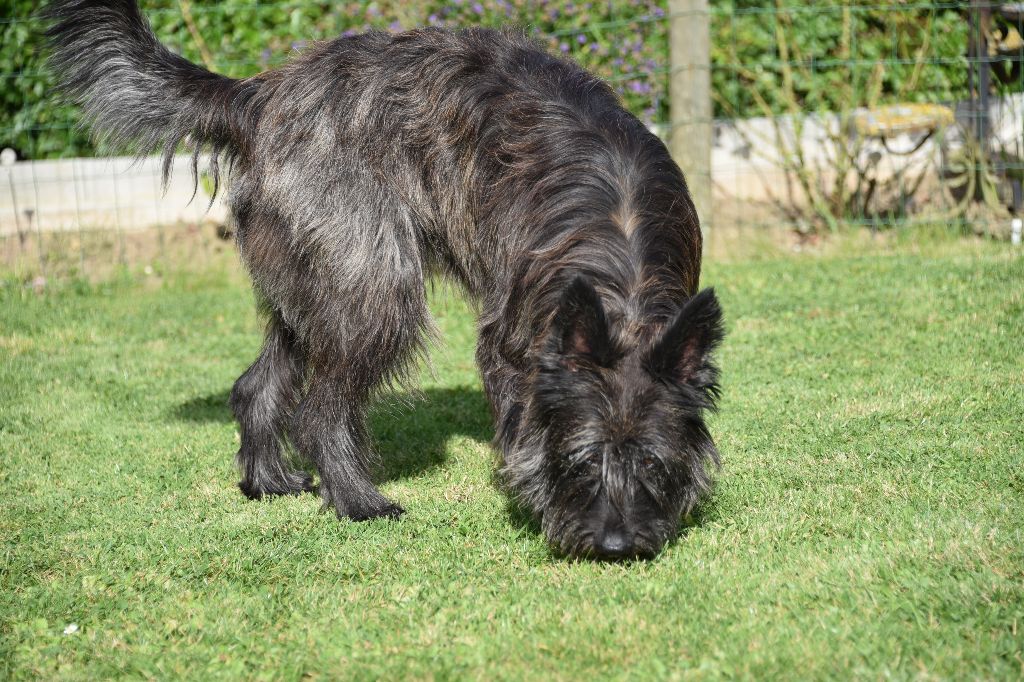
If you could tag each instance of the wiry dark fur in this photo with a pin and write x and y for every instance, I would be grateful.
(367, 163)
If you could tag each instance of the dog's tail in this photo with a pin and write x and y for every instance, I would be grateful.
(138, 95)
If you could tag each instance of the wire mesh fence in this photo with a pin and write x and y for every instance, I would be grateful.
(827, 115)
(870, 114)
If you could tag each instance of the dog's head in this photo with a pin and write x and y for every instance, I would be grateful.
(613, 446)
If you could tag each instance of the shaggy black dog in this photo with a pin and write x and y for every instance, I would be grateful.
(368, 163)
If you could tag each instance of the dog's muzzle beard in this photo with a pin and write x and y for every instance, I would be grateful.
(600, 530)
(594, 515)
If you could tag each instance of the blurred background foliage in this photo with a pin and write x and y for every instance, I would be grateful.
(823, 42)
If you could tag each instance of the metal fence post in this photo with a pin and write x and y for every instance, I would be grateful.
(690, 99)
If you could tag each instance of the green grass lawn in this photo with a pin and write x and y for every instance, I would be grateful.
(867, 520)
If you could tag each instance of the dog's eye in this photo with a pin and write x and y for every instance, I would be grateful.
(648, 462)
(589, 459)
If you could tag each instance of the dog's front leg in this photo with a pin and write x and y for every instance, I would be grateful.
(503, 384)
(330, 429)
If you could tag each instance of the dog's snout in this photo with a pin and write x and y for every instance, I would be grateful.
(614, 544)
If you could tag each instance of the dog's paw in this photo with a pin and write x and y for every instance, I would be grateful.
(359, 504)
(386, 511)
(293, 483)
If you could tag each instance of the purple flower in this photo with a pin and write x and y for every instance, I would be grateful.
(581, 39)
(433, 19)
(395, 26)
(564, 47)
(640, 87)
(478, 8)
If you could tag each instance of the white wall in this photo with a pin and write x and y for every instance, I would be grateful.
(121, 192)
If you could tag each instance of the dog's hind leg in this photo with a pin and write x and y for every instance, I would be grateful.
(263, 399)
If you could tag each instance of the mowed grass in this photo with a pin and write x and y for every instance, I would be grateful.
(867, 521)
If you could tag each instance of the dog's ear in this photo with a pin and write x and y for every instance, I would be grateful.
(581, 328)
(683, 353)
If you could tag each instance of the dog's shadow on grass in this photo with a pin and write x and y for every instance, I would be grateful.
(411, 432)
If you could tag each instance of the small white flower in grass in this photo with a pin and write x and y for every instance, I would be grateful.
(71, 629)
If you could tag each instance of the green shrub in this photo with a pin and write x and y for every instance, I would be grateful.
(915, 52)
(919, 50)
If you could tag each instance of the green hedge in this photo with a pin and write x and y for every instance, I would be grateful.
(904, 52)
(839, 55)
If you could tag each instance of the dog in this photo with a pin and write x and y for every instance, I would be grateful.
(368, 164)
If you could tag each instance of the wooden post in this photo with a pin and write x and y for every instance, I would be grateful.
(690, 99)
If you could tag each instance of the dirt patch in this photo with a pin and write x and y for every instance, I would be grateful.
(98, 254)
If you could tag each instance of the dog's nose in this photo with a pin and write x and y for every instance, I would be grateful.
(613, 544)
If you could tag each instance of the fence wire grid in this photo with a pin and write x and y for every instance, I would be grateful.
(826, 115)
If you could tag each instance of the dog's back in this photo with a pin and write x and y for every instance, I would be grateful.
(479, 140)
